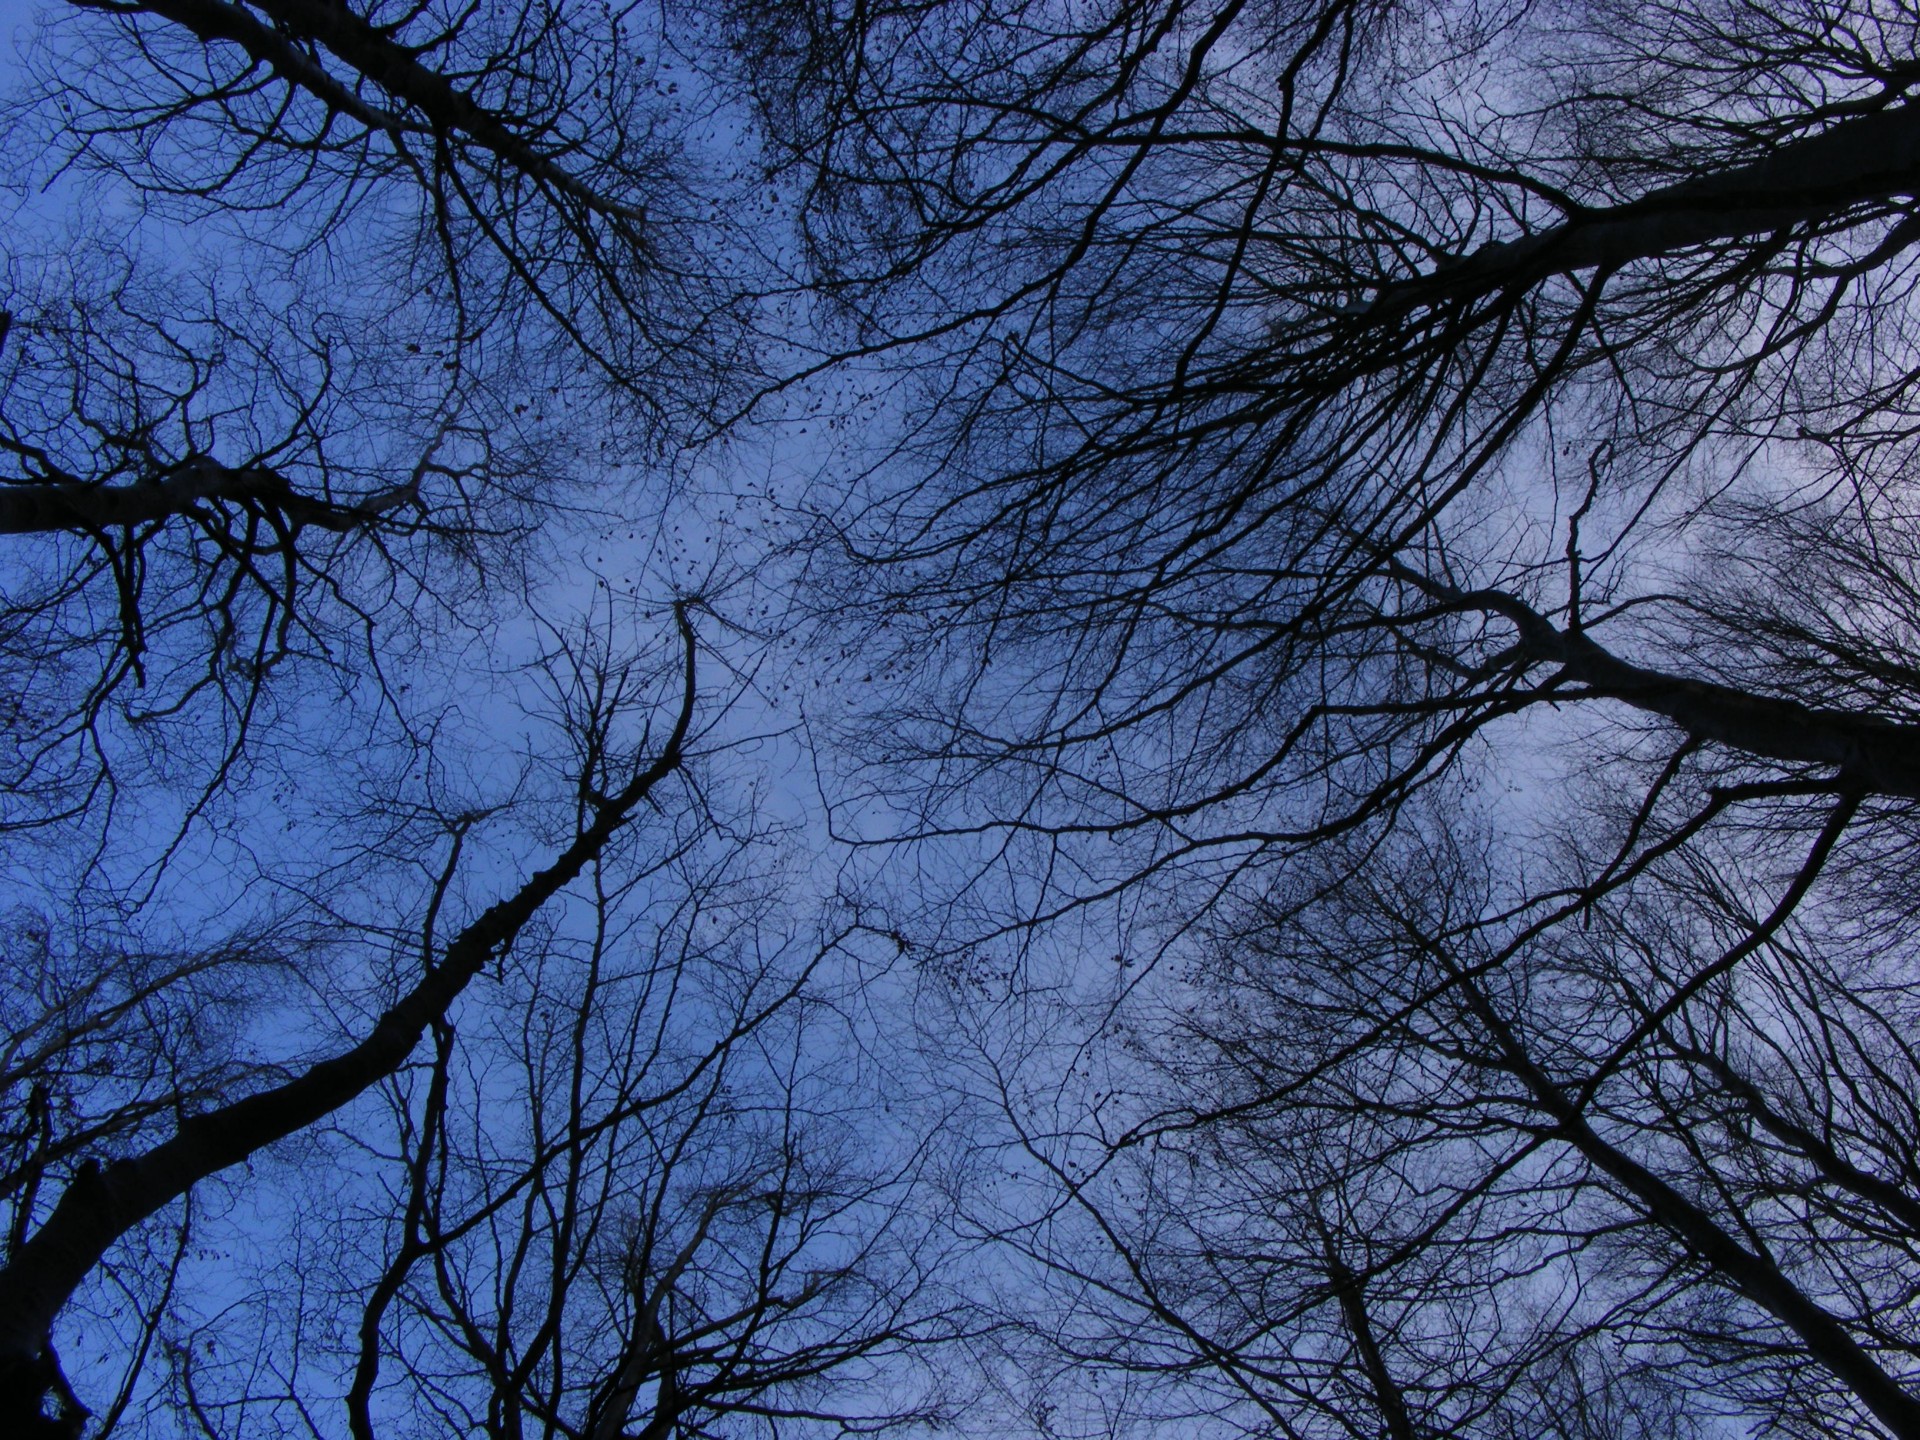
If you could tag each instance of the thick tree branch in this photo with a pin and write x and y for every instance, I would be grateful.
(1347, 1287)
(1868, 158)
(649, 1352)
(444, 107)
(1754, 1275)
(1873, 755)
(74, 505)
(1810, 1145)
(101, 1205)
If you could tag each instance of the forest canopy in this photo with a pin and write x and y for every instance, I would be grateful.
(1028, 719)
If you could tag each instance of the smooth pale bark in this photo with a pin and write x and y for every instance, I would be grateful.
(102, 1204)
(649, 1353)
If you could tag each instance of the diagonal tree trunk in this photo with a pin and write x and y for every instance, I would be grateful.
(102, 1204)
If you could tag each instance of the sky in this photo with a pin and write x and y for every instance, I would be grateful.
(351, 761)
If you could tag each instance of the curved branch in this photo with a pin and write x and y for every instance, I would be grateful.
(101, 1205)
(1873, 755)
(447, 109)
(1871, 157)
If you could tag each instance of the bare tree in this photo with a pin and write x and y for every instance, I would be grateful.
(206, 491)
(436, 281)
(1330, 431)
(280, 519)
(66, 1236)
(695, 1233)
(508, 161)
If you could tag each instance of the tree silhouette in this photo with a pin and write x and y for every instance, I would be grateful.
(1405, 517)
